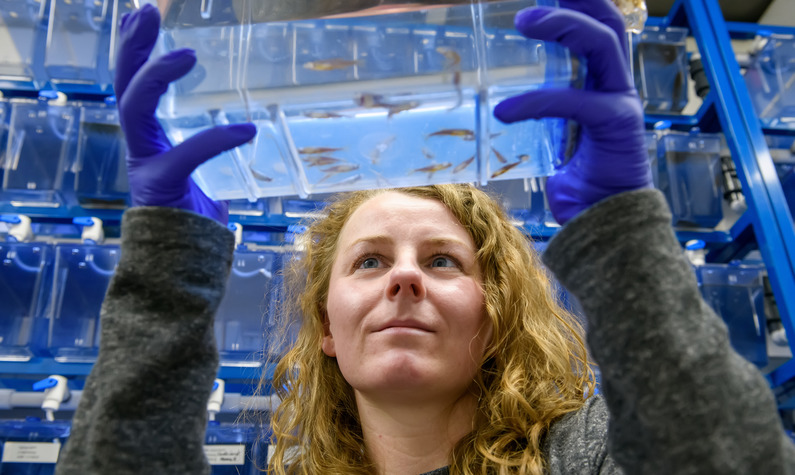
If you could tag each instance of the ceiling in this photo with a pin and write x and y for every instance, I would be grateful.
(733, 10)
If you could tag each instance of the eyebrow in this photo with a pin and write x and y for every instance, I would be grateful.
(384, 239)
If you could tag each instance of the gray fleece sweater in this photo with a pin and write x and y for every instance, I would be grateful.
(677, 398)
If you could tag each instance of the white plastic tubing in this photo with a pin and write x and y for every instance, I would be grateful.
(233, 402)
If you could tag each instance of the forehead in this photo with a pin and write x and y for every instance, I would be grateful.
(402, 215)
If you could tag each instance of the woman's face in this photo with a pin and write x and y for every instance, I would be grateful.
(406, 316)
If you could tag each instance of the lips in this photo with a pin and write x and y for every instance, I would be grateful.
(405, 324)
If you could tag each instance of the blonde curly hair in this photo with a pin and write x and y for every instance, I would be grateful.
(535, 369)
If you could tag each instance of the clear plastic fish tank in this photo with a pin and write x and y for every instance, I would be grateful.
(78, 42)
(770, 78)
(25, 276)
(236, 449)
(31, 445)
(100, 172)
(736, 293)
(661, 68)
(359, 94)
(40, 145)
(23, 34)
(243, 314)
(81, 276)
(687, 169)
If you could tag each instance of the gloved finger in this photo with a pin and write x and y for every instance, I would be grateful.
(138, 33)
(137, 107)
(617, 111)
(185, 157)
(604, 11)
(584, 36)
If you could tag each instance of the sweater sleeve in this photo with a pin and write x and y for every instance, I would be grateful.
(143, 408)
(680, 399)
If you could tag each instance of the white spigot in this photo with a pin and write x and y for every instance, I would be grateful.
(20, 230)
(216, 399)
(92, 230)
(55, 392)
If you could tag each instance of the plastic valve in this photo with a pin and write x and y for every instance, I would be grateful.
(55, 390)
(216, 398)
(92, 229)
(21, 229)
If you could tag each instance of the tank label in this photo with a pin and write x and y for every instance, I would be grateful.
(31, 452)
(225, 454)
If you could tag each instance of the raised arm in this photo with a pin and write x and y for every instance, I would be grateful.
(680, 399)
(143, 407)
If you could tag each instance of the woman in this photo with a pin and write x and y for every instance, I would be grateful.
(436, 320)
(430, 340)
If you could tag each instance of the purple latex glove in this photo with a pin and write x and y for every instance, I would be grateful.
(611, 155)
(159, 174)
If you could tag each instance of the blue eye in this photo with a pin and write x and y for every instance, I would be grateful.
(442, 261)
(369, 263)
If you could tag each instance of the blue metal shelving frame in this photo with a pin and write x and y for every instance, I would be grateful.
(768, 223)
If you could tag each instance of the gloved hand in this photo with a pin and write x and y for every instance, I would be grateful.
(611, 155)
(159, 174)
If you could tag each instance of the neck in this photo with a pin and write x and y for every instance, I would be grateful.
(406, 437)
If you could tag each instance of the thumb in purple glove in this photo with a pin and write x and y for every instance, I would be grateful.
(611, 156)
(159, 174)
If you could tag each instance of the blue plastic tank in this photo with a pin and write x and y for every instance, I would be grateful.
(688, 172)
(23, 22)
(31, 446)
(736, 293)
(769, 79)
(242, 317)
(236, 449)
(100, 172)
(25, 279)
(40, 149)
(661, 68)
(81, 276)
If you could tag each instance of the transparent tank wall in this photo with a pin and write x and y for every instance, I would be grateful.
(352, 96)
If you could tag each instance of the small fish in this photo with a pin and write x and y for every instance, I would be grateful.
(398, 107)
(452, 58)
(337, 169)
(323, 115)
(431, 169)
(330, 64)
(369, 100)
(465, 134)
(259, 176)
(523, 157)
(320, 160)
(453, 64)
(463, 164)
(349, 180)
(372, 101)
(427, 153)
(459, 93)
(317, 150)
(499, 156)
(375, 154)
(505, 169)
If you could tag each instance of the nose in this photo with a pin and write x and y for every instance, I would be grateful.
(406, 281)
